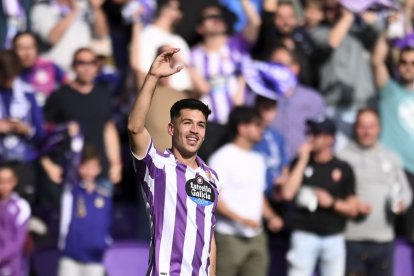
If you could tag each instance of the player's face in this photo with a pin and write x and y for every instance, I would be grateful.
(188, 131)
(406, 67)
(89, 170)
(367, 129)
(7, 183)
(86, 67)
(26, 50)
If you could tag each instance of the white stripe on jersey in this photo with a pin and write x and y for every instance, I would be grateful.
(66, 216)
(170, 205)
(207, 233)
(190, 232)
(24, 212)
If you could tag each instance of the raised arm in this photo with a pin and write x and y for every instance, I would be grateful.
(251, 30)
(341, 28)
(63, 25)
(295, 178)
(100, 24)
(380, 70)
(113, 152)
(138, 134)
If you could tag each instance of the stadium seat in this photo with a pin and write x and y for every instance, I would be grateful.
(127, 259)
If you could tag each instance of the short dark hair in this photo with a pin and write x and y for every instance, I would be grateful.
(193, 104)
(9, 166)
(366, 110)
(241, 115)
(229, 17)
(90, 153)
(262, 102)
(20, 34)
(404, 50)
(82, 49)
(9, 66)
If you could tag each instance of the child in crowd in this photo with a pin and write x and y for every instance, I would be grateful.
(14, 217)
(85, 213)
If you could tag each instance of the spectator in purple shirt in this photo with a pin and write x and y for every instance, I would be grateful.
(295, 108)
(14, 216)
(21, 123)
(43, 75)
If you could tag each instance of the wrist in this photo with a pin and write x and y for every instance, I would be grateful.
(333, 205)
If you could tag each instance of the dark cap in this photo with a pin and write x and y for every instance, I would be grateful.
(320, 126)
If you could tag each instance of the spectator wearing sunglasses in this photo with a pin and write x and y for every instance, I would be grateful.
(396, 114)
(89, 105)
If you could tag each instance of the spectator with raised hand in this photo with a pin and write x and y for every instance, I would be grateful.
(379, 172)
(281, 26)
(89, 105)
(67, 25)
(14, 18)
(323, 188)
(396, 113)
(41, 74)
(216, 63)
(14, 217)
(161, 33)
(346, 80)
(21, 124)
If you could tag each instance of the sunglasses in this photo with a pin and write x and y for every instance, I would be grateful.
(213, 17)
(85, 62)
(407, 62)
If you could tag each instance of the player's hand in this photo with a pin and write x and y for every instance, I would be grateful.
(275, 224)
(20, 127)
(163, 65)
(325, 199)
(250, 223)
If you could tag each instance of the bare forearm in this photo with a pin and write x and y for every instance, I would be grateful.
(254, 21)
(112, 145)
(223, 210)
(100, 25)
(379, 55)
(341, 29)
(213, 257)
(267, 210)
(134, 48)
(61, 27)
(347, 207)
(295, 179)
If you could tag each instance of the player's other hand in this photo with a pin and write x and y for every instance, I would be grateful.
(163, 65)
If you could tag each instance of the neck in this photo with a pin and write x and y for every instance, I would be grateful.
(243, 143)
(323, 156)
(409, 86)
(190, 161)
(82, 87)
(214, 42)
(164, 24)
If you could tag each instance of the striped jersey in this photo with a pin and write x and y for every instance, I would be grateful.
(221, 69)
(181, 203)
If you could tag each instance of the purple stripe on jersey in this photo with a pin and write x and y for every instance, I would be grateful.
(180, 222)
(198, 250)
(209, 246)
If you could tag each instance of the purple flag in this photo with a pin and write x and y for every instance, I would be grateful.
(270, 80)
(359, 6)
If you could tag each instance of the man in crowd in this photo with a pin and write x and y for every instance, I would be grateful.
(378, 172)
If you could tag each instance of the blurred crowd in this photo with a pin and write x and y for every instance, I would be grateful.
(311, 131)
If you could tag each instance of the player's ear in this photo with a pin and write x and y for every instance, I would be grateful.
(170, 129)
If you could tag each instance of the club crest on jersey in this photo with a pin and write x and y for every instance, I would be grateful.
(200, 191)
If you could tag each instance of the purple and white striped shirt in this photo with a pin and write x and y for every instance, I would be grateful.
(221, 69)
(182, 202)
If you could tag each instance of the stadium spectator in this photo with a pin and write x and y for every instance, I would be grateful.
(346, 80)
(161, 33)
(64, 26)
(396, 113)
(21, 124)
(297, 106)
(14, 18)
(281, 27)
(323, 187)
(241, 242)
(85, 212)
(14, 217)
(217, 61)
(181, 191)
(74, 102)
(41, 74)
(378, 172)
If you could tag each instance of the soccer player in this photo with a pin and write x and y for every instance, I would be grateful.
(180, 189)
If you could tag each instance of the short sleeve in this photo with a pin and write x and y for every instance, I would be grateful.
(153, 161)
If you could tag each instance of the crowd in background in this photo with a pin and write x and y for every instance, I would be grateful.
(311, 131)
